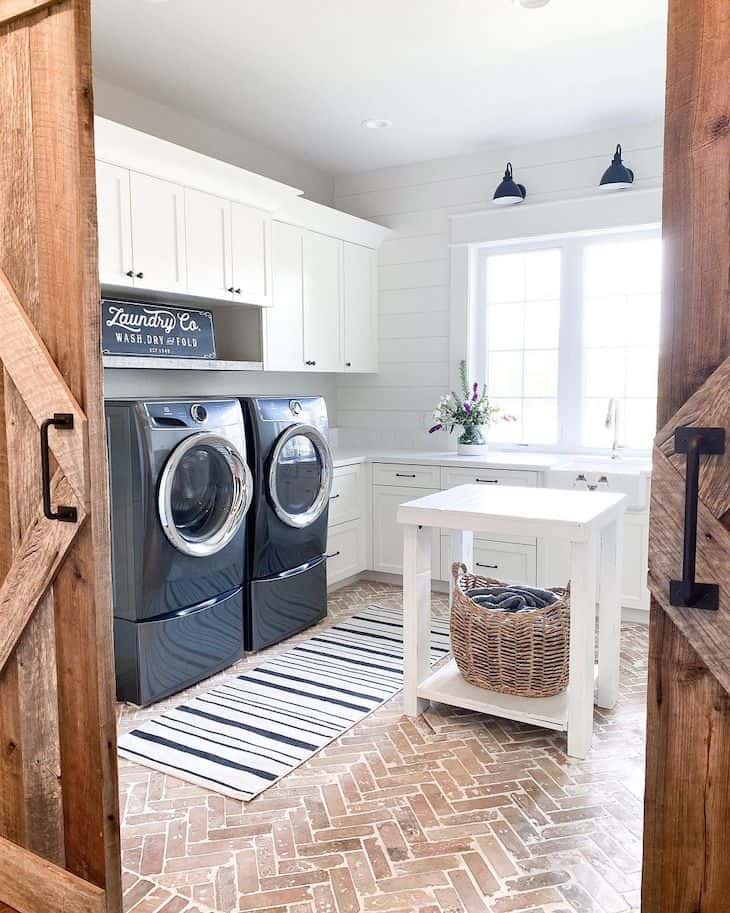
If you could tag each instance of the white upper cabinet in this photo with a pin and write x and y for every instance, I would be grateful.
(360, 312)
(115, 226)
(322, 302)
(158, 234)
(208, 244)
(251, 255)
(283, 323)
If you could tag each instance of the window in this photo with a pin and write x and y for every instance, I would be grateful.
(621, 340)
(566, 327)
(523, 329)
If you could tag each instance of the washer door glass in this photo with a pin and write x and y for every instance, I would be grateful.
(300, 475)
(205, 491)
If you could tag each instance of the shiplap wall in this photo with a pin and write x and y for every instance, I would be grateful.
(393, 408)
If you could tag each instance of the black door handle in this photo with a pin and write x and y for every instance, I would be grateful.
(493, 567)
(64, 421)
(489, 481)
(694, 442)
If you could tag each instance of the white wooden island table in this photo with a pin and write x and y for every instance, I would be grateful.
(592, 522)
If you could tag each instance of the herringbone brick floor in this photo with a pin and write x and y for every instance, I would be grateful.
(458, 813)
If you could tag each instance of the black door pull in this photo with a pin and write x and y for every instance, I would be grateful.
(695, 442)
(63, 421)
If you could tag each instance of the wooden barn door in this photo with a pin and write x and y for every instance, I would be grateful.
(59, 841)
(687, 830)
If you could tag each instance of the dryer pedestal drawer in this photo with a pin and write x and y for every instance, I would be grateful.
(282, 606)
(157, 658)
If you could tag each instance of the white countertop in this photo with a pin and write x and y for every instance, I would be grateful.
(495, 459)
(518, 510)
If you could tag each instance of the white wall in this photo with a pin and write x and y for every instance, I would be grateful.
(125, 107)
(394, 407)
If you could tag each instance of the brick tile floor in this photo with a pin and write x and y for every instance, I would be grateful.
(453, 813)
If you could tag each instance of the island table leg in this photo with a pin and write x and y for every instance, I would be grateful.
(583, 586)
(461, 549)
(416, 615)
(609, 614)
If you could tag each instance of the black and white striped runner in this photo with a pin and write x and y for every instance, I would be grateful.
(247, 733)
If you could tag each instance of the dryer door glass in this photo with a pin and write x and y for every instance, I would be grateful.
(205, 491)
(300, 475)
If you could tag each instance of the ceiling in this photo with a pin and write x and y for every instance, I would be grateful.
(452, 75)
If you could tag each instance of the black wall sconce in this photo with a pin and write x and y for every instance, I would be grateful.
(509, 191)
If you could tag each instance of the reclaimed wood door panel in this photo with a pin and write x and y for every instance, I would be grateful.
(687, 802)
(58, 787)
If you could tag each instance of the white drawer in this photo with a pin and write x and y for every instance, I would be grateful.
(505, 561)
(346, 499)
(407, 476)
(452, 477)
(346, 546)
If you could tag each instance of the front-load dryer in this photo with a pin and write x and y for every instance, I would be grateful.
(180, 489)
(287, 531)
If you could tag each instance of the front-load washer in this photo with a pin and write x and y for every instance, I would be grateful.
(287, 529)
(180, 490)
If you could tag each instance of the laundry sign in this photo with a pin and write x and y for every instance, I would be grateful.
(129, 328)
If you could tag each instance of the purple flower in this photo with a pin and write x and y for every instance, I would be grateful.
(475, 392)
(438, 427)
(467, 408)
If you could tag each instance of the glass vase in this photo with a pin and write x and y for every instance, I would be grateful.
(471, 440)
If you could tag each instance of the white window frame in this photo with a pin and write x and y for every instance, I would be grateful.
(570, 345)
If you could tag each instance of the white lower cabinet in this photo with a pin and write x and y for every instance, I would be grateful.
(346, 550)
(388, 533)
(554, 562)
(512, 562)
(348, 527)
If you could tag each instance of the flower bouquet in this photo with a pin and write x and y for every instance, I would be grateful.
(472, 412)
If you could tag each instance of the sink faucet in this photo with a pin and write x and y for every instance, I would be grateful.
(612, 421)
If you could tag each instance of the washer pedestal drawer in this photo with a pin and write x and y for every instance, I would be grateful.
(283, 605)
(157, 658)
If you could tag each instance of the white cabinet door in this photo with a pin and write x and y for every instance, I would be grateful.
(635, 593)
(251, 255)
(388, 533)
(322, 303)
(360, 310)
(283, 327)
(346, 551)
(115, 224)
(158, 234)
(208, 244)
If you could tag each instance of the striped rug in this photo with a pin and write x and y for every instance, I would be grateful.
(244, 735)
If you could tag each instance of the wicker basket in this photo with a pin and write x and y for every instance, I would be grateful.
(522, 653)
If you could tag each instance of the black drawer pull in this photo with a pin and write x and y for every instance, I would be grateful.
(405, 475)
(694, 442)
(333, 555)
(332, 497)
(489, 481)
(492, 567)
(64, 421)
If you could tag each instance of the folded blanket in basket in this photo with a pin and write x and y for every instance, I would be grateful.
(515, 598)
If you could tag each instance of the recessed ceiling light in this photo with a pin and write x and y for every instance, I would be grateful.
(376, 123)
(532, 4)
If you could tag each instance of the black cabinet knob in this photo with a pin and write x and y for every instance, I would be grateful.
(310, 362)
(231, 289)
(348, 364)
(238, 291)
(130, 273)
(140, 275)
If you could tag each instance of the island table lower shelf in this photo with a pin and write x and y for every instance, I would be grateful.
(446, 685)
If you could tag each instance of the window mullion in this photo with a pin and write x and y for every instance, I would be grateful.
(570, 371)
